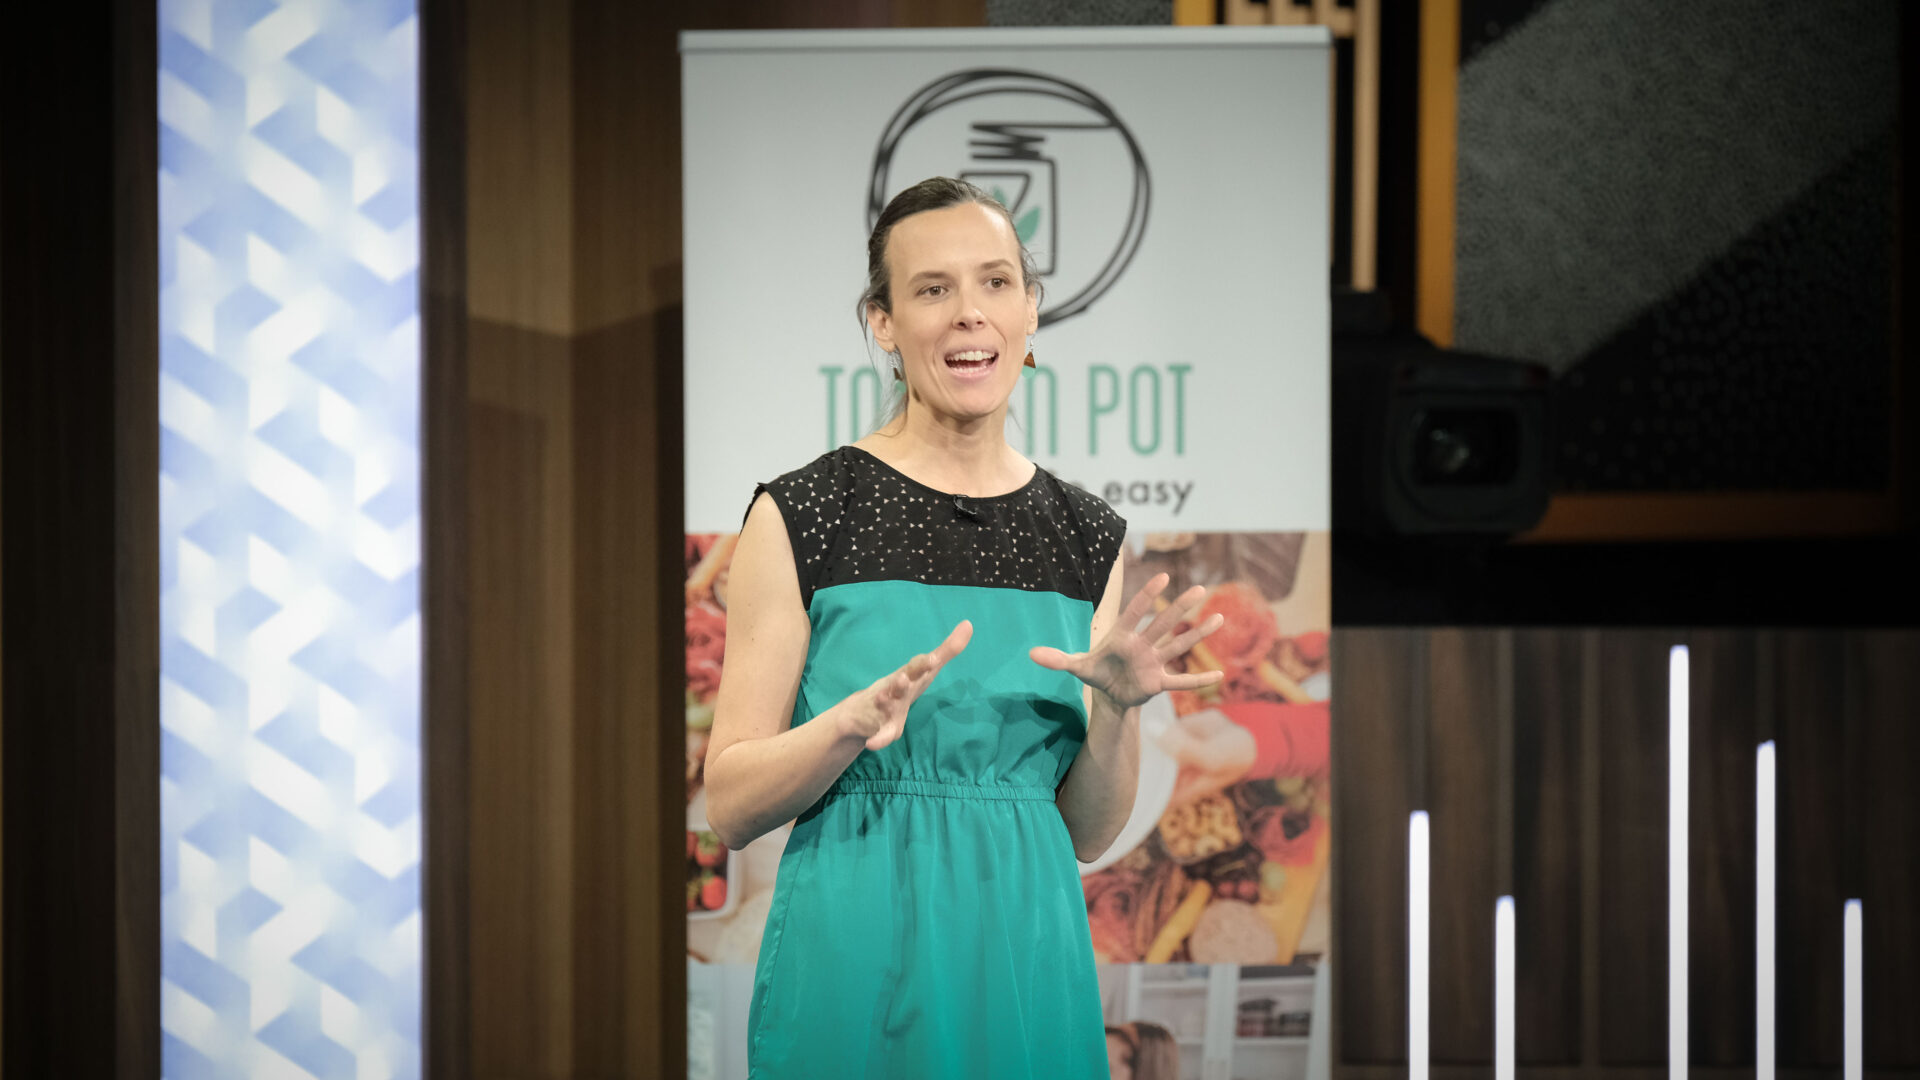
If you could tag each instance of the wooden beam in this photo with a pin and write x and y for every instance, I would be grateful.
(1366, 144)
(1439, 119)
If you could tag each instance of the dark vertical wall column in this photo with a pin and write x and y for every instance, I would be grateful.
(447, 1030)
(80, 421)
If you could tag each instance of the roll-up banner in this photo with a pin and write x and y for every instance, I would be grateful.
(1173, 186)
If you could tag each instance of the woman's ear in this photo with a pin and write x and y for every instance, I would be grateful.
(1033, 311)
(881, 324)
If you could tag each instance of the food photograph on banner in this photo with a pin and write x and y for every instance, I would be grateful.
(1173, 191)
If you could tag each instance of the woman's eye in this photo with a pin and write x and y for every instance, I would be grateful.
(932, 290)
(997, 282)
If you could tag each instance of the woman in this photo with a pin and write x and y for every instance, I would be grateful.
(1156, 1055)
(928, 920)
(1142, 1050)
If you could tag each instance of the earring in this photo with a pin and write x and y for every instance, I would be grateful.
(1029, 361)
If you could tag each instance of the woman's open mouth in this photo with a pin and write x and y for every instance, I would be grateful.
(969, 363)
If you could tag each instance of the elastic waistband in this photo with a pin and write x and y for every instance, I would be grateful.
(939, 789)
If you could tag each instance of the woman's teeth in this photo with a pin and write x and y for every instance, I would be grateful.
(970, 359)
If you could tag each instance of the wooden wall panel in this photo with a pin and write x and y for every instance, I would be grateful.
(1463, 776)
(1633, 846)
(1724, 721)
(1547, 841)
(521, 812)
(1371, 801)
(630, 699)
(1882, 709)
(519, 163)
(1809, 672)
(629, 663)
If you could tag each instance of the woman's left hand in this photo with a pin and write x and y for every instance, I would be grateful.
(1129, 665)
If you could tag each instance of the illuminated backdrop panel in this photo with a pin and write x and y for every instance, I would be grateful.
(290, 539)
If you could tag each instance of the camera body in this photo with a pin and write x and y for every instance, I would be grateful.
(1430, 442)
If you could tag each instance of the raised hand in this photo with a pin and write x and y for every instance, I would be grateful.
(879, 713)
(1129, 665)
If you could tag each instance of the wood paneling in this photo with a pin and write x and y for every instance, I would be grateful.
(629, 695)
(1463, 776)
(519, 151)
(522, 762)
(628, 661)
(1581, 799)
(1633, 847)
(1809, 672)
(1371, 802)
(1883, 680)
(1724, 678)
(1547, 832)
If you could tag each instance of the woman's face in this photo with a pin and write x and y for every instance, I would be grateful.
(960, 310)
(1119, 1058)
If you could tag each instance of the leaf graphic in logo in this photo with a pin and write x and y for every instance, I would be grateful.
(1000, 196)
(1027, 224)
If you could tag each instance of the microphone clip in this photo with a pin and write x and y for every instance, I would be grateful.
(961, 504)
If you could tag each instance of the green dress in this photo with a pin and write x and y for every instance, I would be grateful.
(928, 920)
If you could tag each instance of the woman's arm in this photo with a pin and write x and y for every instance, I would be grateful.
(1097, 795)
(761, 771)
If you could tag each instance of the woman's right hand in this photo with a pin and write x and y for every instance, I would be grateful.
(879, 713)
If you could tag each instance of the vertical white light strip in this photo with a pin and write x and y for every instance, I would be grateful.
(1763, 912)
(1677, 765)
(1417, 927)
(1852, 995)
(1503, 989)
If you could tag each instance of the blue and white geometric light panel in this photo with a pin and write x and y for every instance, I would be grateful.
(290, 539)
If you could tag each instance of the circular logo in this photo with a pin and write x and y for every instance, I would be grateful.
(1056, 155)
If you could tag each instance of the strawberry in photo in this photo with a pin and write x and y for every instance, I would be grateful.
(708, 851)
(713, 892)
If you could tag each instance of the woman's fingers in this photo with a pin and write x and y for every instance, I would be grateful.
(1196, 681)
(1142, 601)
(1175, 613)
(895, 694)
(922, 668)
(1051, 658)
(956, 641)
(1178, 646)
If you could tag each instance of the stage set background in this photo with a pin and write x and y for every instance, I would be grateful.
(1183, 377)
(551, 239)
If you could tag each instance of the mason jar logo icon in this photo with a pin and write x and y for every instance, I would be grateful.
(1054, 153)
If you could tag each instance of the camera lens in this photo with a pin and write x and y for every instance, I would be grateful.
(1458, 447)
(1447, 453)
